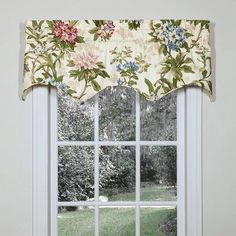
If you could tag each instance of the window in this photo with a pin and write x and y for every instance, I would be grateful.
(122, 175)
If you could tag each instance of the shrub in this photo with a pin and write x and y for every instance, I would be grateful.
(169, 224)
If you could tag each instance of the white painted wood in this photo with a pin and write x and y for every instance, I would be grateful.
(181, 164)
(137, 153)
(120, 203)
(40, 161)
(96, 165)
(53, 163)
(194, 161)
(117, 143)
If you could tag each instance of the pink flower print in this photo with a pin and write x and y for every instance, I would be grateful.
(109, 26)
(72, 35)
(65, 33)
(106, 30)
(86, 61)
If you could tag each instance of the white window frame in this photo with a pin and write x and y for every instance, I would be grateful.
(189, 164)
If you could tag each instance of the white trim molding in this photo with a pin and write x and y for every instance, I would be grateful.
(181, 163)
(40, 166)
(194, 161)
(53, 191)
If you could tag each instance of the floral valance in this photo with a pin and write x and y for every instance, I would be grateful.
(82, 57)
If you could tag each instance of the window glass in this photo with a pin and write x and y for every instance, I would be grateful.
(113, 176)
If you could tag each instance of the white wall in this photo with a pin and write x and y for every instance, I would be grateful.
(219, 118)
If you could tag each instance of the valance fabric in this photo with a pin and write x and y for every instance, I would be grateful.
(83, 57)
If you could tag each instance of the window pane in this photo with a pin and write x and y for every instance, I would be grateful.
(117, 114)
(75, 119)
(118, 221)
(117, 173)
(158, 221)
(158, 173)
(158, 118)
(75, 173)
(77, 221)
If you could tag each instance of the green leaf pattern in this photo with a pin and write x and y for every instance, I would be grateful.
(82, 57)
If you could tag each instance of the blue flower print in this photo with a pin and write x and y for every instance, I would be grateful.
(62, 86)
(131, 65)
(119, 67)
(173, 36)
(120, 82)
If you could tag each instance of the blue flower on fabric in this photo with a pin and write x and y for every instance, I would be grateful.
(131, 65)
(170, 27)
(59, 85)
(173, 36)
(165, 34)
(119, 67)
(120, 82)
(180, 31)
(62, 86)
(172, 46)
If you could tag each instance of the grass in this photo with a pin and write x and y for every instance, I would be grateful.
(148, 193)
(151, 219)
(119, 221)
(113, 222)
(158, 193)
(77, 223)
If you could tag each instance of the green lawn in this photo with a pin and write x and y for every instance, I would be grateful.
(148, 193)
(119, 221)
(113, 222)
(158, 193)
(77, 223)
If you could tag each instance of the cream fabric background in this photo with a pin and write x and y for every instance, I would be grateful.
(106, 59)
(219, 118)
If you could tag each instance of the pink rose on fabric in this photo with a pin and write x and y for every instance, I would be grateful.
(86, 61)
(65, 33)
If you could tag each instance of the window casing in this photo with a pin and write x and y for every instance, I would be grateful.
(188, 164)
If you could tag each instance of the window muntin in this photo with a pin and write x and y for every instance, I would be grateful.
(109, 141)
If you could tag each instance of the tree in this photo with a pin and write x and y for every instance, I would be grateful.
(123, 161)
(116, 122)
(117, 114)
(158, 165)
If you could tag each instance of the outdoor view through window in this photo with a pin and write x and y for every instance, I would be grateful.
(117, 165)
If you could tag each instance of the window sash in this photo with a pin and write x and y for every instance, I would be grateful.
(187, 103)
